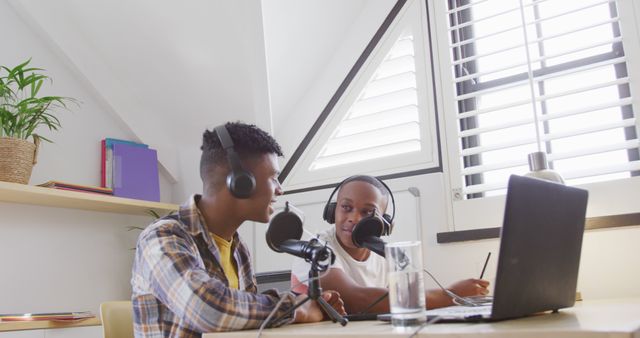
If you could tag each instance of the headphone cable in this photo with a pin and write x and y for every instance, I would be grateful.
(458, 300)
(275, 309)
(374, 303)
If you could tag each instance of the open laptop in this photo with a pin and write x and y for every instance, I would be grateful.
(540, 246)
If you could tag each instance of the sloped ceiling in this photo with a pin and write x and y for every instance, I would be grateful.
(301, 38)
(169, 69)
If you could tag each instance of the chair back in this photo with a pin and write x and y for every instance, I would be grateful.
(117, 319)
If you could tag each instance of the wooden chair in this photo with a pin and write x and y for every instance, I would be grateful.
(117, 319)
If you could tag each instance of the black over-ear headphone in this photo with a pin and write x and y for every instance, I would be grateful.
(329, 212)
(240, 182)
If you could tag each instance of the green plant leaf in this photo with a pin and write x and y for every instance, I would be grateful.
(21, 110)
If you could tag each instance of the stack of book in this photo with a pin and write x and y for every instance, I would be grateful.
(76, 187)
(55, 316)
(130, 169)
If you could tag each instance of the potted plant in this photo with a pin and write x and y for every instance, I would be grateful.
(22, 111)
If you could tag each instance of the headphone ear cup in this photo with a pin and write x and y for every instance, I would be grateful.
(241, 184)
(388, 224)
(329, 213)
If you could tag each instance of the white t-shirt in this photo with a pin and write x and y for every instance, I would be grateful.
(371, 272)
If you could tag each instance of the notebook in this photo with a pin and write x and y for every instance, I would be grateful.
(540, 246)
(135, 172)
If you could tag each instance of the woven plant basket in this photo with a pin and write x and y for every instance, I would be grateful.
(17, 158)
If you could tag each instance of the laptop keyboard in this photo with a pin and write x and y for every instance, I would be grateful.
(461, 311)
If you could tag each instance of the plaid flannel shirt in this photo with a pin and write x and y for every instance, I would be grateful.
(180, 289)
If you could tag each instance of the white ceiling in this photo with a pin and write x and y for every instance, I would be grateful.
(177, 67)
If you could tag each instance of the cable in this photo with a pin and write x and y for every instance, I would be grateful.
(264, 324)
(275, 309)
(458, 300)
(374, 303)
(428, 322)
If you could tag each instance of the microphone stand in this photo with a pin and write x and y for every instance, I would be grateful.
(314, 292)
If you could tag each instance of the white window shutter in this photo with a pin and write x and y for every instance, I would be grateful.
(531, 75)
(384, 122)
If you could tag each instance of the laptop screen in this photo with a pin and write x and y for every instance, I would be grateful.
(540, 247)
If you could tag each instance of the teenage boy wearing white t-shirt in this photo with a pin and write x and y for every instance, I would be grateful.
(359, 275)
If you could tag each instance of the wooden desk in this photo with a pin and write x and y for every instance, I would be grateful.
(599, 318)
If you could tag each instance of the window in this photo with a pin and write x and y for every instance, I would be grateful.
(384, 122)
(537, 75)
(384, 119)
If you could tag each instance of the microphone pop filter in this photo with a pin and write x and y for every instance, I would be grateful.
(283, 226)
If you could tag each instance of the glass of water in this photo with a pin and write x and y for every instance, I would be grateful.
(406, 284)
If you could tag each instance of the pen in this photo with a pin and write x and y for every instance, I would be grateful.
(485, 265)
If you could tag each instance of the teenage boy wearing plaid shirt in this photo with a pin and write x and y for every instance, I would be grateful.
(192, 272)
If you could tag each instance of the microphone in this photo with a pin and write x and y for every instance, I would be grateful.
(284, 233)
(366, 234)
(285, 226)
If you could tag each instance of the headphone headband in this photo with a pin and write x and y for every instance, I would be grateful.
(225, 138)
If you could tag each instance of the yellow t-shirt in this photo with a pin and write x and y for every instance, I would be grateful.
(227, 262)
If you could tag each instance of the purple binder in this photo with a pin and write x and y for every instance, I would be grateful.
(135, 172)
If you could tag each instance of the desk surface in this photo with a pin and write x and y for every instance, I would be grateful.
(597, 318)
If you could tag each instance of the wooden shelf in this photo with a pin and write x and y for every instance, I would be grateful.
(47, 324)
(28, 194)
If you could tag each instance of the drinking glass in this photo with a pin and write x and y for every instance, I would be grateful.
(406, 283)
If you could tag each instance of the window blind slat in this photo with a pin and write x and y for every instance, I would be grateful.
(536, 40)
(588, 130)
(477, 112)
(491, 16)
(387, 101)
(390, 84)
(545, 117)
(547, 77)
(546, 57)
(602, 170)
(623, 102)
(537, 60)
(368, 154)
(507, 144)
(379, 121)
(583, 89)
(570, 175)
(372, 139)
(630, 144)
(552, 157)
(498, 126)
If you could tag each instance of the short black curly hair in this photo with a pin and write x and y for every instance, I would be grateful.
(248, 141)
(374, 181)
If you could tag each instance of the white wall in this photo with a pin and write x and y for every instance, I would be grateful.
(58, 259)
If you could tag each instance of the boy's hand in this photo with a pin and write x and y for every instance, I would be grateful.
(311, 312)
(470, 287)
